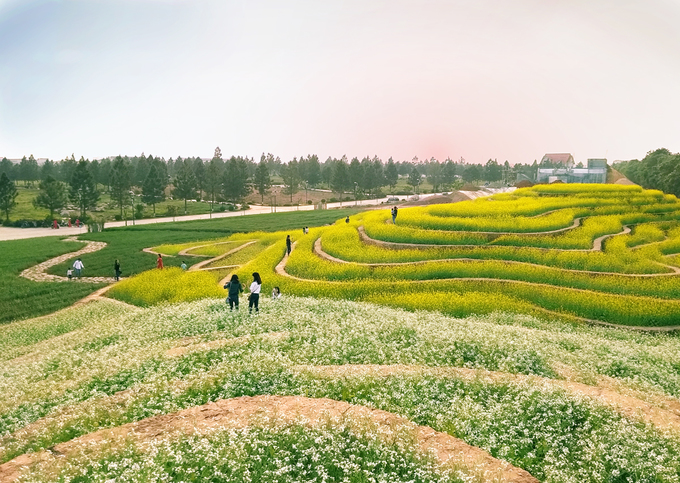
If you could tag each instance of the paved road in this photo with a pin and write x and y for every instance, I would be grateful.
(7, 233)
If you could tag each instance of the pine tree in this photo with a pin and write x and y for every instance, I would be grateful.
(313, 170)
(414, 178)
(214, 178)
(120, 181)
(83, 189)
(262, 180)
(153, 189)
(8, 194)
(53, 195)
(391, 174)
(235, 179)
(185, 184)
(290, 174)
(340, 179)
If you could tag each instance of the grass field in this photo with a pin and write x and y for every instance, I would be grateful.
(21, 298)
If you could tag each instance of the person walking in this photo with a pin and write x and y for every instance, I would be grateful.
(78, 266)
(234, 287)
(394, 215)
(159, 262)
(289, 245)
(254, 297)
(116, 269)
(69, 274)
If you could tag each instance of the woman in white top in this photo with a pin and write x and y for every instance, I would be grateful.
(254, 297)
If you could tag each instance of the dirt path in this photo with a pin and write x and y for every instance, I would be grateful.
(200, 265)
(318, 250)
(38, 273)
(627, 405)
(246, 411)
(597, 243)
(281, 270)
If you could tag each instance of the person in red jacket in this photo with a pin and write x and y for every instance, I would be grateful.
(159, 262)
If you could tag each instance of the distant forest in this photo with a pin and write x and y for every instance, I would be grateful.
(659, 170)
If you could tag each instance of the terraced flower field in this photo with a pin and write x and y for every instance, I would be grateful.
(605, 254)
(361, 372)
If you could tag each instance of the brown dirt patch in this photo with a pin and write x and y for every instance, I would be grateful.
(244, 411)
(627, 405)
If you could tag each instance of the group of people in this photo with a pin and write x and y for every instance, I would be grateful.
(235, 288)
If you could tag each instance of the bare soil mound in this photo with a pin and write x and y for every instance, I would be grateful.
(245, 411)
(454, 197)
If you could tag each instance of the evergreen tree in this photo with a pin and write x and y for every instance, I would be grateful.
(391, 174)
(201, 177)
(262, 180)
(29, 170)
(434, 174)
(7, 167)
(153, 188)
(120, 181)
(290, 174)
(414, 178)
(213, 180)
(53, 195)
(448, 173)
(66, 168)
(8, 195)
(356, 173)
(313, 170)
(185, 184)
(340, 180)
(47, 170)
(235, 179)
(83, 189)
(493, 171)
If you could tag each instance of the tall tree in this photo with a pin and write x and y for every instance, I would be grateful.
(53, 195)
(29, 170)
(356, 173)
(235, 180)
(414, 178)
(7, 167)
(448, 173)
(185, 184)
(391, 174)
(213, 180)
(8, 195)
(66, 168)
(340, 180)
(262, 179)
(473, 172)
(290, 173)
(492, 171)
(120, 181)
(83, 190)
(201, 177)
(153, 188)
(48, 169)
(434, 174)
(313, 170)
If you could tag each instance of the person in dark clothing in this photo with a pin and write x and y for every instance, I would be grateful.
(234, 287)
(116, 269)
(394, 214)
(289, 245)
(347, 219)
(254, 297)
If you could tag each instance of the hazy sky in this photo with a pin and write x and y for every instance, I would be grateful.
(479, 79)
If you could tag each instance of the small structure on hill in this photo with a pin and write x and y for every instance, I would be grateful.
(565, 160)
(596, 172)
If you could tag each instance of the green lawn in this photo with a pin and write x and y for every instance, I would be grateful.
(21, 298)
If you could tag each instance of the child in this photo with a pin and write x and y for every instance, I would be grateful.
(69, 274)
(276, 293)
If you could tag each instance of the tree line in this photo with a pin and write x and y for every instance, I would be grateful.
(78, 182)
(659, 169)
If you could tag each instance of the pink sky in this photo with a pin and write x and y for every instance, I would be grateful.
(478, 79)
